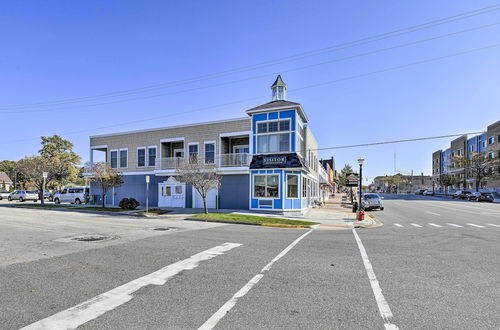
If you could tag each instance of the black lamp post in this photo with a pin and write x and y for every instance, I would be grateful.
(361, 160)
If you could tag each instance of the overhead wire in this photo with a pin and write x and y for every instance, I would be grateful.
(320, 51)
(263, 75)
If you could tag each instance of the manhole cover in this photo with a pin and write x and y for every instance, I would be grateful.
(92, 238)
(163, 228)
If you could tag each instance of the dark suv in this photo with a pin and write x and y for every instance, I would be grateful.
(461, 194)
(481, 197)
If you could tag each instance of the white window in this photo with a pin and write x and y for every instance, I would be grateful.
(266, 186)
(209, 152)
(114, 158)
(491, 140)
(193, 152)
(123, 158)
(152, 156)
(304, 187)
(273, 136)
(491, 155)
(141, 157)
(292, 186)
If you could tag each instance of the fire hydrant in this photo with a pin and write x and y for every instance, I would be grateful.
(361, 215)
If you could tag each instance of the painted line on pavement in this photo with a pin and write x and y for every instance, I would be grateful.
(73, 317)
(429, 212)
(490, 224)
(473, 225)
(398, 225)
(383, 306)
(454, 225)
(434, 225)
(415, 225)
(215, 318)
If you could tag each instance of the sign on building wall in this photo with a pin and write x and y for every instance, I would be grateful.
(352, 180)
(290, 160)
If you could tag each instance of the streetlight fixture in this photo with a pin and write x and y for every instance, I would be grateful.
(361, 160)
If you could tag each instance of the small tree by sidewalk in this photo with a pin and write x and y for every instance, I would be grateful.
(106, 177)
(203, 177)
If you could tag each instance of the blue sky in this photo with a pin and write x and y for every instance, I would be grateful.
(53, 50)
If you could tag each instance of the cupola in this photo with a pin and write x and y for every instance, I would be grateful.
(279, 89)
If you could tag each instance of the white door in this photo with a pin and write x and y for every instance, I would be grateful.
(171, 193)
(211, 199)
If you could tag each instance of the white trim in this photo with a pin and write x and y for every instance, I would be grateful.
(138, 173)
(145, 157)
(288, 107)
(111, 158)
(266, 198)
(120, 157)
(171, 127)
(241, 146)
(286, 186)
(99, 147)
(235, 133)
(177, 139)
(215, 152)
(183, 152)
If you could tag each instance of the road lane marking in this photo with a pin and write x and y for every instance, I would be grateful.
(73, 317)
(398, 225)
(215, 318)
(454, 225)
(434, 225)
(490, 224)
(473, 225)
(429, 212)
(415, 225)
(383, 306)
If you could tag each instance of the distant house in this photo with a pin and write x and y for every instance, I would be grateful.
(5, 180)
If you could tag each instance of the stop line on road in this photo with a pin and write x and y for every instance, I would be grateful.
(434, 225)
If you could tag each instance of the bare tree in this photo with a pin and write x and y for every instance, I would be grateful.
(203, 177)
(106, 177)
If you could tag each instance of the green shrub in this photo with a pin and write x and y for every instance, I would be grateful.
(129, 203)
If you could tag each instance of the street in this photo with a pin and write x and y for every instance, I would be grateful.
(432, 265)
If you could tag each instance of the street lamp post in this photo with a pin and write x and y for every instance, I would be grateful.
(147, 193)
(361, 160)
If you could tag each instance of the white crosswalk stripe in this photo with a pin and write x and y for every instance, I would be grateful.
(454, 225)
(473, 225)
(434, 225)
(415, 225)
(490, 224)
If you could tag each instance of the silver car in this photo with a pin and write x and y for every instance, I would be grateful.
(24, 195)
(373, 201)
(4, 194)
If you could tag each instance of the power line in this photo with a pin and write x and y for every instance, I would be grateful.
(362, 41)
(263, 75)
(397, 141)
(263, 96)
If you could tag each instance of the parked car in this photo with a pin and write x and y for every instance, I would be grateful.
(372, 201)
(75, 195)
(24, 195)
(419, 192)
(428, 193)
(4, 194)
(481, 197)
(461, 194)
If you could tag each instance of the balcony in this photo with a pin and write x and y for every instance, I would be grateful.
(222, 161)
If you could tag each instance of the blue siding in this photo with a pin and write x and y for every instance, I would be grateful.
(133, 186)
(189, 196)
(273, 115)
(234, 192)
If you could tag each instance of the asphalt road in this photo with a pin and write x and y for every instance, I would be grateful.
(425, 277)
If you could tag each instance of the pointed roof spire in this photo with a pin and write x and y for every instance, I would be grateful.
(279, 82)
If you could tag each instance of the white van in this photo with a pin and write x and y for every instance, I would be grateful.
(74, 195)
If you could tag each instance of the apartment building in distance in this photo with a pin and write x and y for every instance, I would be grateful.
(487, 143)
(267, 160)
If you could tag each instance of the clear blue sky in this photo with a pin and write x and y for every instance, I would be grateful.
(55, 50)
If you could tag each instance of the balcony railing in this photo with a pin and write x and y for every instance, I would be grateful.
(223, 160)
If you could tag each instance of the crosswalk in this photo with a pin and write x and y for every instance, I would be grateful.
(435, 225)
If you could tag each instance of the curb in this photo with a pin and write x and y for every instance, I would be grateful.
(277, 225)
